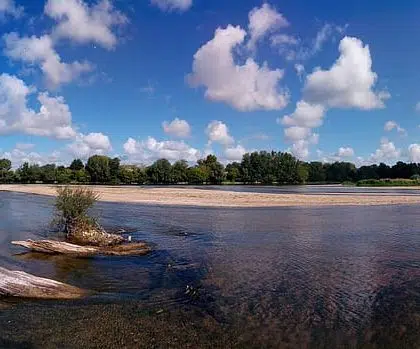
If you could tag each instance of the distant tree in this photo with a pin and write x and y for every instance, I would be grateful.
(81, 176)
(29, 173)
(64, 175)
(5, 167)
(48, 173)
(233, 172)
(180, 171)
(316, 172)
(384, 171)
(160, 172)
(302, 172)
(259, 167)
(23, 173)
(246, 167)
(197, 175)
(114, 168)
(403, 170)
(341, 172)
(214, 169)
(127, 174)
(287, 169)
(77, 165)
(98, 168)
(368, 172)
(141, 176)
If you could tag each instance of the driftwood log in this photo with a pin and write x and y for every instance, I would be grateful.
(23, 285)
(65, 248)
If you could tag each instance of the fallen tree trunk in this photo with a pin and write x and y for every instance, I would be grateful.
(60, 247)
(23, 285)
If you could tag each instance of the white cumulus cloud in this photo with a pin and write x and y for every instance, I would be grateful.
(53, 119)
(147, 151)
(90, 144)
(386, 152)
(262, 21)
(173, 5)
(218, 132)
(345, 152)
(19, 156)
(235, 153)
(9, 7)
(349, 83)
(84, 23)
(414, 152)
(40, 51)
(178, 128)
(245, 87)
(391, 125)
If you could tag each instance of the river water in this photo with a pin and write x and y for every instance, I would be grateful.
(332, 277)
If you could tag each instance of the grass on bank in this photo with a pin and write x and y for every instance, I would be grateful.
(388, 183)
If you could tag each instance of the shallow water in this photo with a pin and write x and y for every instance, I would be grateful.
(340, 277)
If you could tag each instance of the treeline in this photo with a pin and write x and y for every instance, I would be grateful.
(255, 168)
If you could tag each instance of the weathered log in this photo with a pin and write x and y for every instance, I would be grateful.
(23, 285)
(60, 247)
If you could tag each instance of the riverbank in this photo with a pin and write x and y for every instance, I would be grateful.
(214, 198)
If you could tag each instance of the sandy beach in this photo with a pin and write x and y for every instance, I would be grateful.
(215, 198)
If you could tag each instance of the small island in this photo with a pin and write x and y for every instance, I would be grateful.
(84, 237)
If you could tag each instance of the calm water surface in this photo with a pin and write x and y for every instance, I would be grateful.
(342, 277)
(313, 189)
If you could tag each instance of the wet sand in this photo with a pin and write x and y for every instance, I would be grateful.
(214, 198)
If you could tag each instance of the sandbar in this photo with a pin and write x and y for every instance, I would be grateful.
(184, 196)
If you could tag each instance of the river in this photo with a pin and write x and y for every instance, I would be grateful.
(331, 277)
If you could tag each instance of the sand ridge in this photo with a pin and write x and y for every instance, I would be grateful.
(184, 196)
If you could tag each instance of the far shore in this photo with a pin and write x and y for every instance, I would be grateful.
(214, 198)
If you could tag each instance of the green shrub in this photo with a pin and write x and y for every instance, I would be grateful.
(72, 205)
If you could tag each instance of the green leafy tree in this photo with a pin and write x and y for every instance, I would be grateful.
(233, 172)
(197, 175)
(341, 172)
(98, 168)
(64, 175)
(77, 165)
(303, 172)
(48, 173)
(160, 172)
(114, 169)
(316, 172)
(127, 174)
(141, 176)
(287, 169)
(214, 169)
(29, 173)
(5, 167)
(180, 172)
(81, 176)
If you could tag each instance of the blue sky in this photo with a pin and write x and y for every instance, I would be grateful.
(145, 79)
